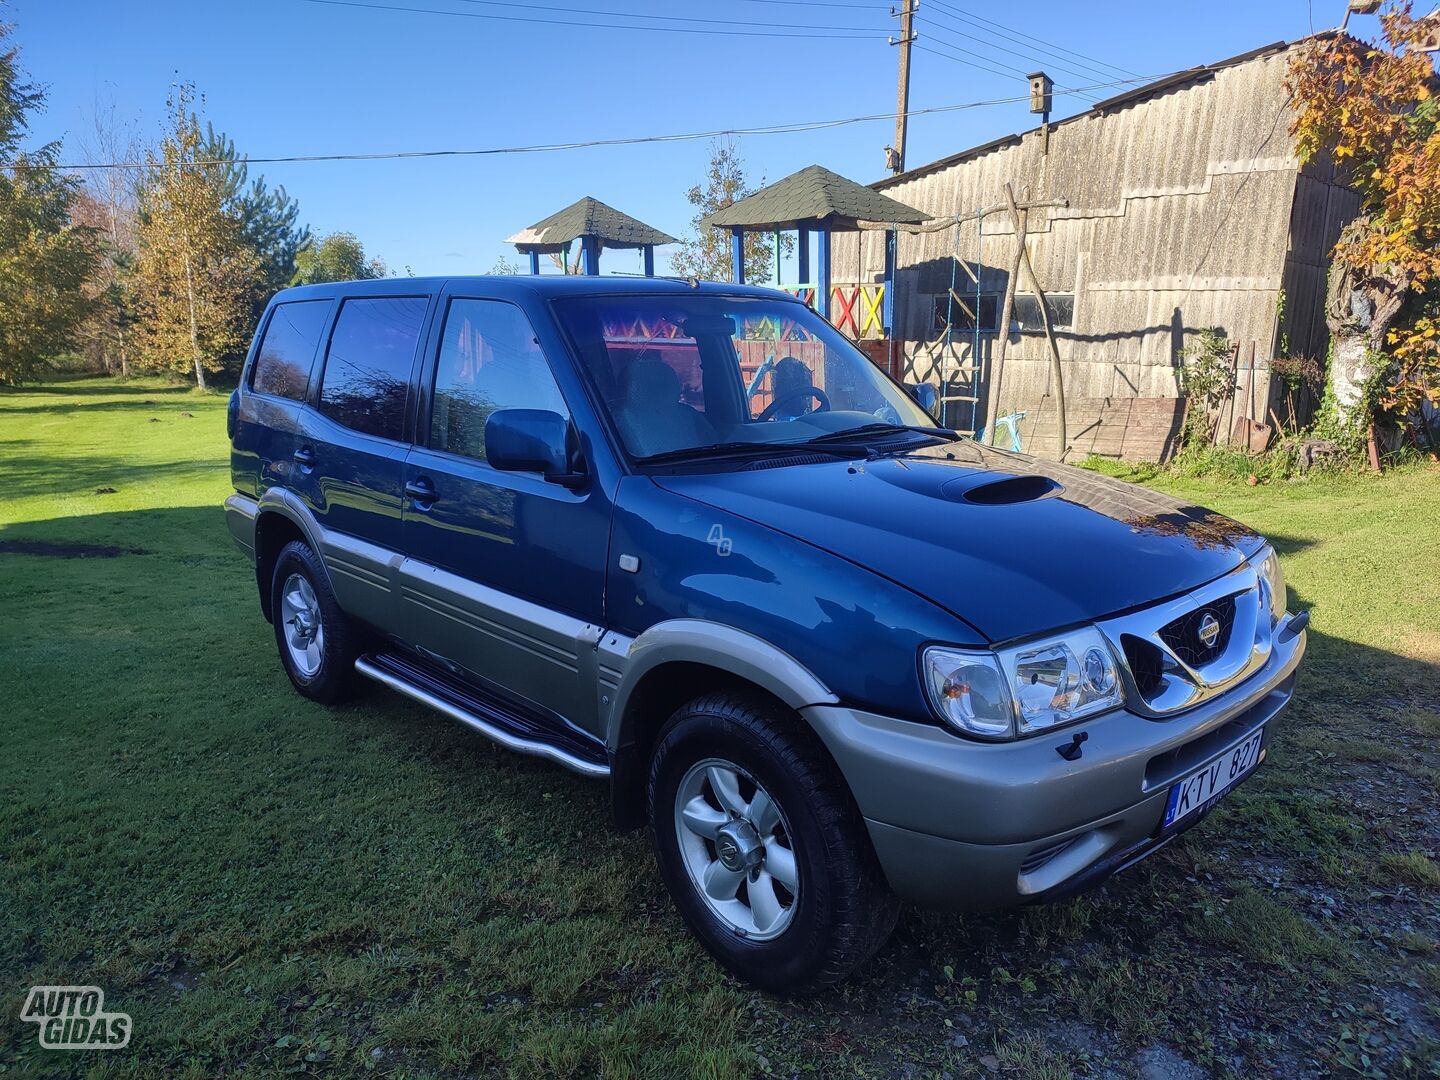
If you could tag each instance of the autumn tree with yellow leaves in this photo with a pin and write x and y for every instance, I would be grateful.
(194, 274)
(1372, 108)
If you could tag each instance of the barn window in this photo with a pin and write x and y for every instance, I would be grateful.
(1026, 317)
(959, 313)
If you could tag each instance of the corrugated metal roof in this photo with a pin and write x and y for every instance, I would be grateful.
(1139, 93)
(813, 194)
(588, 217)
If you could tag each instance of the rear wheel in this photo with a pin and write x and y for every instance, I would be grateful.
(762, 846)
(317, 641)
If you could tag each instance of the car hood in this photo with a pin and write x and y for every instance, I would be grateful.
(1013, 545)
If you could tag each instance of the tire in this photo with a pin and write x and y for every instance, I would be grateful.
(825, 909)
(324, 668)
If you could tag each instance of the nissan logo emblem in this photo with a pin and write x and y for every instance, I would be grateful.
(1209, 631)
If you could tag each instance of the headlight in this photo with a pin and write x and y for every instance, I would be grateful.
(1274, 579)
(1064, 679)
(1026, 689)
(968, 690)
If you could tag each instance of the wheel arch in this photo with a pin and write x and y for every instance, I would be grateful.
(278, 521)
(675, 662)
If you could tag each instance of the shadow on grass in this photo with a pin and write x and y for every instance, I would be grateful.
(25, 469)
(59, 388)
(168, 406)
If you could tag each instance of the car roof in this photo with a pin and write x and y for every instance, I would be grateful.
(543, 285)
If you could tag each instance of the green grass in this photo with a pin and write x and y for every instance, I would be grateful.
(268, 886)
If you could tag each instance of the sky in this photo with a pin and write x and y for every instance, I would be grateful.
(296, 77)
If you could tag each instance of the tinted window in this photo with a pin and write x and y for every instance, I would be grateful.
(282, 366)
(367, 369)
(489, 360)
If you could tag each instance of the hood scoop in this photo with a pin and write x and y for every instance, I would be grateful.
(1005, 491)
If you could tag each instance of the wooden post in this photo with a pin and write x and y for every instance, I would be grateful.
(648, 254)
(822, 290)
(888, 315)
(1002, 339)
(1049, 330)
(590, 252)
(534, 262)
(802, 255)
(902, 95)
(737, 255)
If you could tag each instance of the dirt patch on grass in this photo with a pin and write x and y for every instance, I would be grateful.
(66, 551)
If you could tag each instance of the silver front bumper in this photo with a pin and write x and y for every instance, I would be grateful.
(965, 824)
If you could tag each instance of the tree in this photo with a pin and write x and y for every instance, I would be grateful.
(45, 256)
(267, 218)
(1371, 108)
(108, 203)
(195, 275)
(337, 257)
(705, 254)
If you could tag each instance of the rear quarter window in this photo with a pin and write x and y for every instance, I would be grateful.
(367, 367)
(282, 363)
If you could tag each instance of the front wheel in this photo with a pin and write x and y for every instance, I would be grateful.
(762, 846)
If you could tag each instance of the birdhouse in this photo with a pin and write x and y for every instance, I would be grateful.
(1430, 39)
(1364, 7)
(1042, 89)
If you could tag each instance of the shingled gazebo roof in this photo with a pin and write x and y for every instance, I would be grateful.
(588, 217)
(813, 194)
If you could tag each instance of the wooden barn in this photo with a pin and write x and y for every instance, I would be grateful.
(1170, 209)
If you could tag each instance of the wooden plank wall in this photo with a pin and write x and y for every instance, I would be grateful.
(1122, 428)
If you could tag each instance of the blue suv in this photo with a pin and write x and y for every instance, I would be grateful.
(688, 540)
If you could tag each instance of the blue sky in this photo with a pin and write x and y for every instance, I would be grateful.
(285, 77)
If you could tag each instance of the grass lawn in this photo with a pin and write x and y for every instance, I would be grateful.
(268, 886)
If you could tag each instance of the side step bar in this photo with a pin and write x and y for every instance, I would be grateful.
(407, 678)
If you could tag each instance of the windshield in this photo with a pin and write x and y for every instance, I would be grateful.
(682, 373)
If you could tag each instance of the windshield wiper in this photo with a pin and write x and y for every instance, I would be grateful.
(733, 449)
(879, 428)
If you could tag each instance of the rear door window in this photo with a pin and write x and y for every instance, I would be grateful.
(368, 365)
(282, 366)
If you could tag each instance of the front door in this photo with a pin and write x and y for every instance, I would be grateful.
(504, 575)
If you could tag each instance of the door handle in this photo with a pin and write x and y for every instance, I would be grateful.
(421, 492)
(305, 457)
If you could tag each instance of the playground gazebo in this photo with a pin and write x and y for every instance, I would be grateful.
(596, 226)
(816, 200)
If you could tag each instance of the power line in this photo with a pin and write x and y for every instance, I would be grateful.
(961, 34)
(1049, 45)
(658, 18)
(541, 148)
(846, 33)
(1010, 73)
(812, 3)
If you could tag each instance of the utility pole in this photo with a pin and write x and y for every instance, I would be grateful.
(895, 156)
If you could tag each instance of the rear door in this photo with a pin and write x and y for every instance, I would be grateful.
(273, 393)
(350, 449)
(505, 572)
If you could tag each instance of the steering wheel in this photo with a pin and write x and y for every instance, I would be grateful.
(799, 392)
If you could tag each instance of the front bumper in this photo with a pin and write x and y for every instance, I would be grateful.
(964, 824)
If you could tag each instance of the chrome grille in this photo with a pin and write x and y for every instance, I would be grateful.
(1183, 634)
(1167, 665)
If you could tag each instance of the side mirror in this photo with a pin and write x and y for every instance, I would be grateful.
(925, 394)
(533, 440)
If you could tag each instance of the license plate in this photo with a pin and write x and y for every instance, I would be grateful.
(1202, 788)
